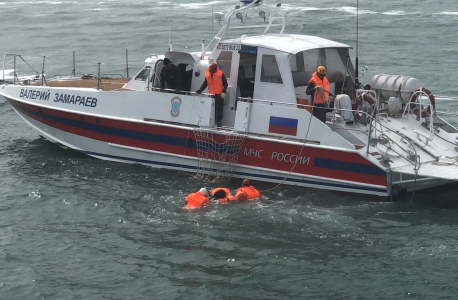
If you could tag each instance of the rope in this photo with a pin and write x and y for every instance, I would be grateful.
(300, 152)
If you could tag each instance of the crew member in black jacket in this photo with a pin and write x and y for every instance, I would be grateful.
(170, 73)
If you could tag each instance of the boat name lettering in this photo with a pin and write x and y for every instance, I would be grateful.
(33, 94)
(290, 158)
(76, 100)
(229, 47)
(255, 152)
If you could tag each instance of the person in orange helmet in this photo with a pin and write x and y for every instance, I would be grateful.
(197, 199)
(223, 195)
(247, 191)
(318, 88)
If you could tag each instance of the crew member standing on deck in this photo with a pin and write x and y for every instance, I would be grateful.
(318, 88)
(217, 85)
(170, 74)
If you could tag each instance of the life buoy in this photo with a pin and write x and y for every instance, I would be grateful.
(414, 104)
(361, 113)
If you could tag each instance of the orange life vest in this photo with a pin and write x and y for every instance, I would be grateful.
(250, 191)
(196, 200)
(215, 82)
(324, 84)
(228, 197)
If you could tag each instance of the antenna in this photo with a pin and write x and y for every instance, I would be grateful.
(357, 36)
(170, 26)
(74, 69)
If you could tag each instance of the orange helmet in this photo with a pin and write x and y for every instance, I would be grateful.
(321, 70)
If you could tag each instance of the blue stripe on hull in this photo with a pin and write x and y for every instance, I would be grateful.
(348, 166)
(257, 175)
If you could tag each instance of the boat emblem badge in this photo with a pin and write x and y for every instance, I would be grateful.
(176, 103)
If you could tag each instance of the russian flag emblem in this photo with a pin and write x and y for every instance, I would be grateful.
(283, 125)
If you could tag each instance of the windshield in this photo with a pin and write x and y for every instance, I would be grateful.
(305, 63)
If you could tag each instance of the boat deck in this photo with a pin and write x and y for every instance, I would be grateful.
(108, 84)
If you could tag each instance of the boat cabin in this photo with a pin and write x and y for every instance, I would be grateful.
(269, 70)
(272, 67)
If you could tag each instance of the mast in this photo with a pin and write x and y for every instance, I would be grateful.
(357, 36)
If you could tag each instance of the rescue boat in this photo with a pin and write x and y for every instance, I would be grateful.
(381, 141)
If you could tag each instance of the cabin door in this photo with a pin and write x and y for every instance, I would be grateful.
(246, 72)
(227, 62)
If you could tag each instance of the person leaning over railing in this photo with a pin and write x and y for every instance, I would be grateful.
(217, 85)
(318, 88)
(170, 73)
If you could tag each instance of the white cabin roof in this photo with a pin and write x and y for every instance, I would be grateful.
(291, 43)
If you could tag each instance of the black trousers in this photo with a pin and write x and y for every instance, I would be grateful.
(219, 103)
(319, 111)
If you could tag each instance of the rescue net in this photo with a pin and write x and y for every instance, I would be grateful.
(217, 159)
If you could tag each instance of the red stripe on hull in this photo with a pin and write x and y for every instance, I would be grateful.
(264, 154)
(282, 129)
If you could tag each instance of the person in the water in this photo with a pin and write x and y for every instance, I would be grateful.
(247, 191)
(223, 195)
(198, 199)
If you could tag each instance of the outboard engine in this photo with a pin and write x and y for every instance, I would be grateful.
(397, 86)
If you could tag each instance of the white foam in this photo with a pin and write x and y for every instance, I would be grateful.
(448, 13)
(395, 13)
(352, 10)
(15, 4)
(295, 9)
(200, 5)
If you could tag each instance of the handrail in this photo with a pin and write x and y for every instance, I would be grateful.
(369, 134)
(227, 21)
(408, 108)
(14, 69)
(189, 93)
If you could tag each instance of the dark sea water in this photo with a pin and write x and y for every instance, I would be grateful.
(74, 227)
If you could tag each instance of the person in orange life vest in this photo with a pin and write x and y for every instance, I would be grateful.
(197, 199)
(318, 88)
(217, 85)
(247, 191)
(223, 195)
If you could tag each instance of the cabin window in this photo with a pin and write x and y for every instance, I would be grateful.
(247, 71)
(224, 62)
(305, 63)
(143, 75)
(269, 70)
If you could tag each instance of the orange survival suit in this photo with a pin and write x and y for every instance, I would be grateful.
(324, 84)
(215, 82)
(228, 197)
(249, 191)
(196, 200)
